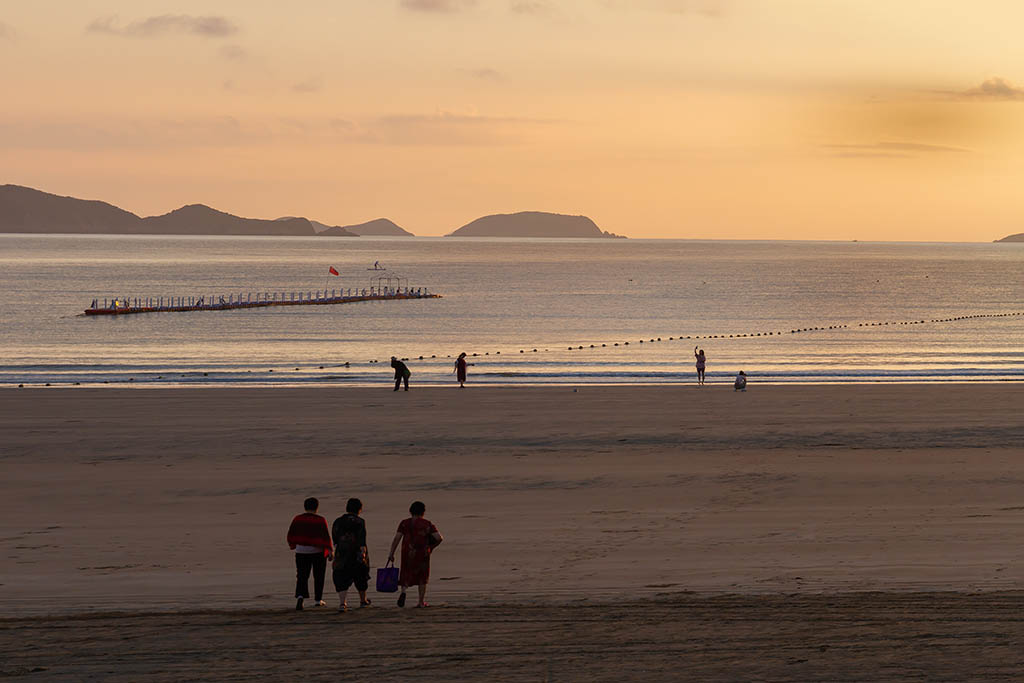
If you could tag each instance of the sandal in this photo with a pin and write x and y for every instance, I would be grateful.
(401, 600)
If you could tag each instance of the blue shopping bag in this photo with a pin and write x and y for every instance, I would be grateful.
(387, 578)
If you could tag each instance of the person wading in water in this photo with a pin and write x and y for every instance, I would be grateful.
(401, 373)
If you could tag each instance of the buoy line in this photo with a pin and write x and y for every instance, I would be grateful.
(748, 335)
(651, 340)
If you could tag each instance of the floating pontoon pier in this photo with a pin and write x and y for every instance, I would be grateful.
(126, 305)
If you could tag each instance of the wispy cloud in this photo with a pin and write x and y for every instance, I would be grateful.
(447, 128)
(307, 86)
(894, 150)
(235, 53)
(7, 32)
(530, 7)
(484, 74)
(441, 129)
(706, 8)
(443, 6)
(995, 89)
(203, 26)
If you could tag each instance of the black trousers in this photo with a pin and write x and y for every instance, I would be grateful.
(398, 382)
(304, 562)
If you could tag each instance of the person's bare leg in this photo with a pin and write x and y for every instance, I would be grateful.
(362, 599)
(423, 594)
(401, 597)
(342, 600)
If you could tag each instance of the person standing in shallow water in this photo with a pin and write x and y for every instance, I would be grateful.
(309, 538)
(701, 364)
(418, 537)
(460, 370)
(402, 373)
(351, 558)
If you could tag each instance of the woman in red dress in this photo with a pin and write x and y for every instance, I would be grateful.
(418, 537)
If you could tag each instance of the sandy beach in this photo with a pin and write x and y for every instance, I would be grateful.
(559, 507)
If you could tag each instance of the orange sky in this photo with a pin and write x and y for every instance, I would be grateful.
(793, 119)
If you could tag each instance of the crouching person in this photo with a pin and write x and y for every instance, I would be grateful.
(741, 382)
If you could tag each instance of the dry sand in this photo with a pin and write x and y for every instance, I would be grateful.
(563, 508)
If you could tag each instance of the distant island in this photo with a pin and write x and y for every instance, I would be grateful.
(532, 224)
(381, 227)
(1019, 237)
(26, 210)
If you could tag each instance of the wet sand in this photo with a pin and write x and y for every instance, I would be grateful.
(845, 637)
(563, 508)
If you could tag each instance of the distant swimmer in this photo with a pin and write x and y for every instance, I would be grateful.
(701, 363)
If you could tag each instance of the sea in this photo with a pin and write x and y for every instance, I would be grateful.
(526, 311)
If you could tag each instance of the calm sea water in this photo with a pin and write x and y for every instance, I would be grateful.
(506, 296)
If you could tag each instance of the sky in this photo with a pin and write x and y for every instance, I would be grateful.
(710, 119)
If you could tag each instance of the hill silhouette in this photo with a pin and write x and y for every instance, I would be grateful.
(531, 224)
(1019, 237)
(378, 227)
(27, 210)
(23, 209)
(199, 219)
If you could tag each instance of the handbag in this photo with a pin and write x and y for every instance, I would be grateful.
(387, 578)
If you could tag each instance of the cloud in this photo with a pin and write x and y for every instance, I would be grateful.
(7, 32)
(530, 7)
(447, 128)
(307, 86)
(706, 8)
(995, 89)
(205, 26)
(233, 52)
(484, 74)
(893, 150)
(441, 129)
(436, 5)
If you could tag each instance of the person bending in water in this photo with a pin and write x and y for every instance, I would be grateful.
(701, 363)
(741, 382)
(402, 373)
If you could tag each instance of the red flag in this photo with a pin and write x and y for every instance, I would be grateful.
(332, 271)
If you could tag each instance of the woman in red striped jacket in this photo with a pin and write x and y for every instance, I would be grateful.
(309, 537)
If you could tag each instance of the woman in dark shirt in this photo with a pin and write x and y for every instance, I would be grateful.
(351, 559)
